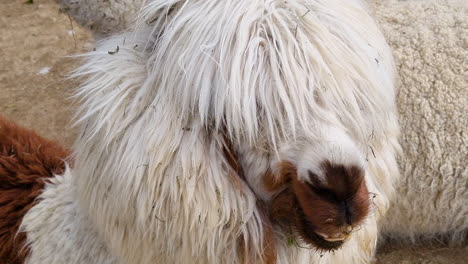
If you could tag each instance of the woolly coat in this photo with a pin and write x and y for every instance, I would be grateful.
(429, 41)
(27, 162)
(150, 179)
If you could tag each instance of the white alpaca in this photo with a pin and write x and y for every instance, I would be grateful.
(304, 81)
(425, 35)
(429, 39)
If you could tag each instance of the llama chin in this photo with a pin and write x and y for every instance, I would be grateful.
(306, 82)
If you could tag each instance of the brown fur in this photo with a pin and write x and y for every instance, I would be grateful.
(237, 173)
(25, 161)
(327, 208)
(269, 248)
(274, 182)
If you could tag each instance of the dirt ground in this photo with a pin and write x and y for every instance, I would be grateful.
(34, 42)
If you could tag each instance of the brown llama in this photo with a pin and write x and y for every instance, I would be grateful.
(26, 162)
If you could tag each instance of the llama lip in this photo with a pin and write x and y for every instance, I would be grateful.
(326, 244)
(336, 238)
(317, 239)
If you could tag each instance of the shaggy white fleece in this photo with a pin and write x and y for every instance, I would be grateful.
(429, 40)
(157, 105)
(430, 43)
(58, 231)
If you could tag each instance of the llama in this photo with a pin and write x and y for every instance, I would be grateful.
(26, 162)
(427, 38)
(411, 216)
(218, 131)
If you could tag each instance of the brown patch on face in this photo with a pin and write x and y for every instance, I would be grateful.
(341, 201)
(274, 182)
(323, 213)
(26, 159)
(283, 209)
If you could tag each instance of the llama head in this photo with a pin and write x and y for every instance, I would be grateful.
(323, 195)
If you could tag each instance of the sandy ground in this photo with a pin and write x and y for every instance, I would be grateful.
(34, 42)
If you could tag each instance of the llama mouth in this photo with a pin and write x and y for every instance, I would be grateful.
(316, 239)
(325, 244)
(332, 239)
(321, 243)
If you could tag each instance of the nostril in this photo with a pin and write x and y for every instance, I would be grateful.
(348, 213)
